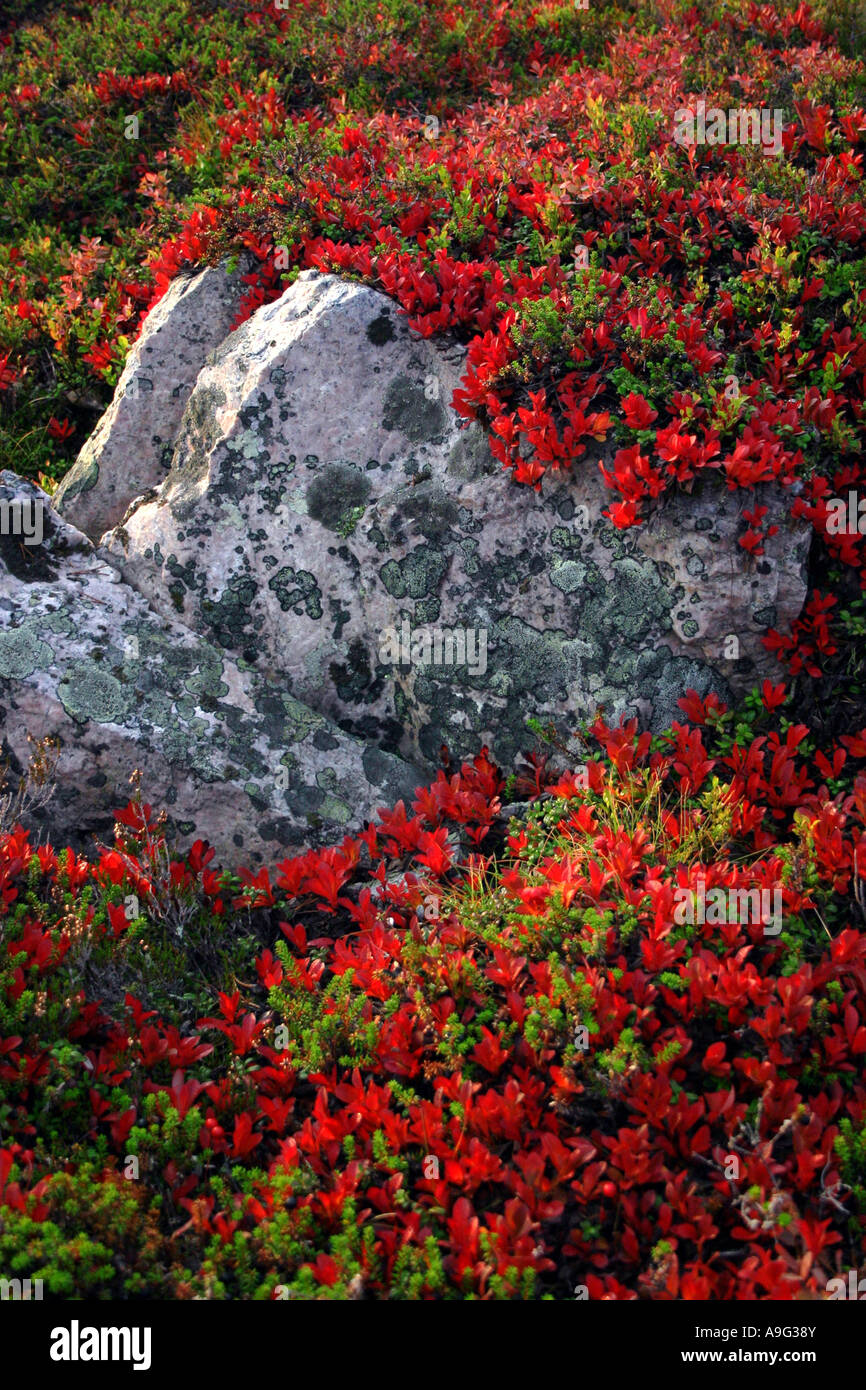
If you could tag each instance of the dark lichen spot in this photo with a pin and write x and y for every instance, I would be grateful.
(230, 616)
(30, 563)
(296, 590)
(324, 741)
(336, 494)
(340, 616)
(381, 330)
(353, 678)
(396, 778)
(431, 512)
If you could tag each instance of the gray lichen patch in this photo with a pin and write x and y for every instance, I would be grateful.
(230, 617)
(199, 433)
(407, 408)
(664, 685)
(548, 662)
(300, 720)
(334, 809)
(470, 457)
(430, 511)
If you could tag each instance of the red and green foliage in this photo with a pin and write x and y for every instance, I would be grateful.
(216, 1087)
(299, 1085)
(460, 158)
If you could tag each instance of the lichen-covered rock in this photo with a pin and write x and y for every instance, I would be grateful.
(130, 449)
(233, 756)
(324, 511)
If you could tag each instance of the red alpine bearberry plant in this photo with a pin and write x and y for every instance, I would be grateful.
(454, 1057)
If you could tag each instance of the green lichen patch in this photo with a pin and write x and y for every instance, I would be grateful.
(22, 652)
(419, 574)
(86, 692)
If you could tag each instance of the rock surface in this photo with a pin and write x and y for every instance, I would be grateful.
(322, 493)
(233, 757)
(130, 449)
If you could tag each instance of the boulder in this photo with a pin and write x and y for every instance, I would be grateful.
(130, 449)
(325, 516)
(233, 756)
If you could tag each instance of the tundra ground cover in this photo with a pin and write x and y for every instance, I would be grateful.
(423, 1065)
(540, 1081)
